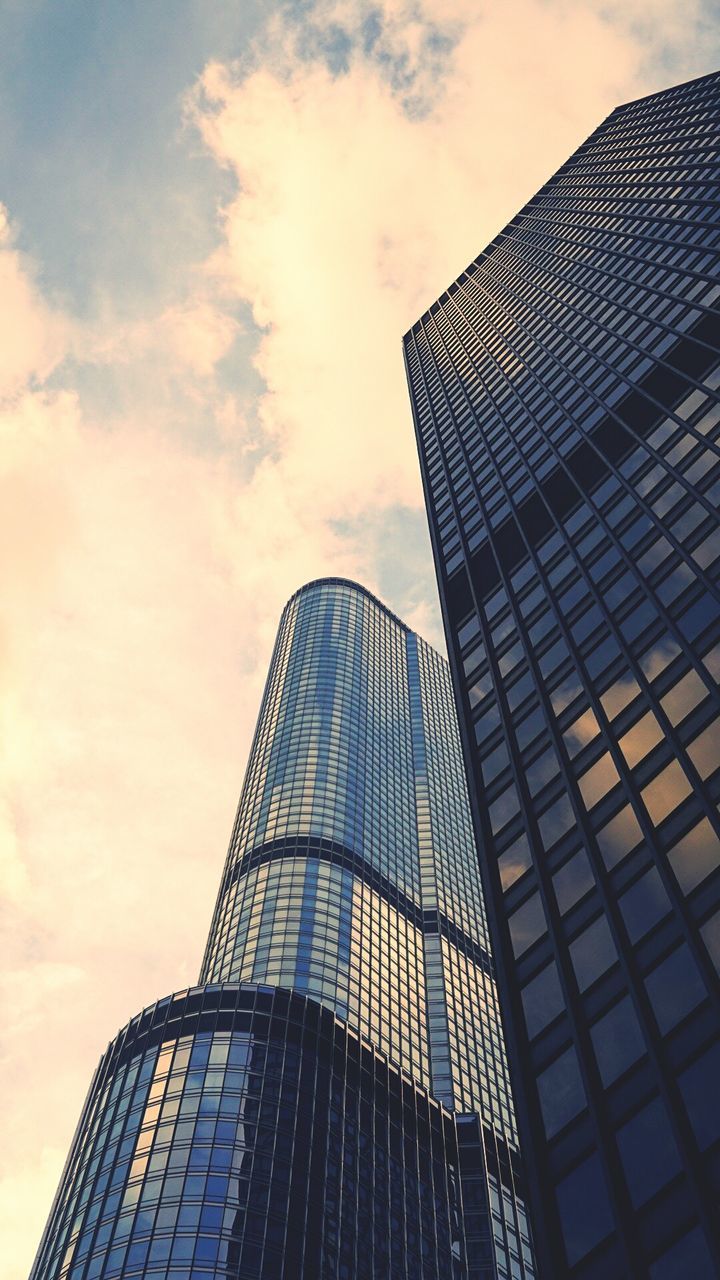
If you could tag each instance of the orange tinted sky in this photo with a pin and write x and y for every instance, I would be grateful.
(202, 406)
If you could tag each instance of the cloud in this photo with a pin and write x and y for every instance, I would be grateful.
(160, 499)
(189, 339)
(361, 194)
(35, 340)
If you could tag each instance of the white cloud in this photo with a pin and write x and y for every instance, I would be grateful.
(152, 524)
(36, 336)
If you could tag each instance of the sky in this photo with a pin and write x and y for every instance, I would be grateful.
(218, 219)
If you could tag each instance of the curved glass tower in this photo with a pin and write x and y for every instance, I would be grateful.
(345, 1036)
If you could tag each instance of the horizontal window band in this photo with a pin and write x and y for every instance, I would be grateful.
(332, 851)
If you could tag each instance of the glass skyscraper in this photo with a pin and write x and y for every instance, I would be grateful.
(565, 397)
(332, 1100)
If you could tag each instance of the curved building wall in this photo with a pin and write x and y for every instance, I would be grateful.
(352, 871)
(245, 1133)
(360, 1124)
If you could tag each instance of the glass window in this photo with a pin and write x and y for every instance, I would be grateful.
(644, 904)
(504, 808)
(699, 1088)
(659, 657)
(510, 659)
(695, 856)
(711, 662)
(561, 1092)
(666, 792)
(573, 881)
(617, 1040)
(598, 780)
(480, 689)
(494, 764)
(558, 820)
(565, 693)
(542, 771)
(583, 731)
(686, 694)
(518, 692)
(710, 932)
(585, 1214)
(675, 988)
(640, 740)
(688, 1257)
(468, 630)
(619, 695)
(592, 953)
(648, 1152)
(555, 656)
(486, 724)
(474, 658)
(514, 861)
(529, 728)
(619, 836)
(704, 751)
(527, 924)
(708, 550)
(542, 1000)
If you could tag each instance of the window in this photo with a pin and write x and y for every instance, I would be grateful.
(583, 731)
(618, 696)
(640, 740)
(666, 792)
(644, 904)
(659, 657)
(704, 751)
(561, 1092)
(617, 1040)
(710, 932)
(619, 836)
(527, 924)
(504, 808)
(675, 988)
(688, 1257)
(648, 1152)
(573, 881)
(558, 819)
(585, 1214)
(494, 764)
(699, 1087)
(680, 700)
(695, 856)
(542, 1000)
(514, 861)
(598, 780)
(542, 771)
(592, 953)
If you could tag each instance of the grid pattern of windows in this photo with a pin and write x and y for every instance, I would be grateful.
(352, 873)
(333, 1100)
(227, 1133)
(565, 396)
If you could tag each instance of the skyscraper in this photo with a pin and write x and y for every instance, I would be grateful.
(332, 1099)
(565, 398)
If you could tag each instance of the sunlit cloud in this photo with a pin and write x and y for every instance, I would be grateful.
(166, 481)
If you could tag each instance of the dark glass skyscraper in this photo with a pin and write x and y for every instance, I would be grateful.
(565, 396)
(332, 1100)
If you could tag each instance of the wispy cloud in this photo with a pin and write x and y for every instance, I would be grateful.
(168, 479)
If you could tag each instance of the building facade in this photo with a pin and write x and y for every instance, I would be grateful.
(565, 398)
(332, 1100)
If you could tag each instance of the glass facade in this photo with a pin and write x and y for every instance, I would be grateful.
(332, 1101)
(227, 1133)
(565, 398)
(352, 873)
